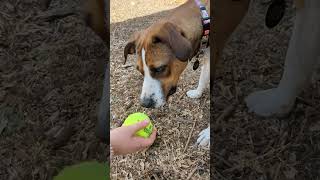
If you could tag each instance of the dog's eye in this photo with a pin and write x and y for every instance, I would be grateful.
(159, 69)
(156, 40)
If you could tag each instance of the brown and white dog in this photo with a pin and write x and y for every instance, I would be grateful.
(163, 51)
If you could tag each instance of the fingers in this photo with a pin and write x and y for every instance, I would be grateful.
(136, 127)
(152, 136)
(145, 142)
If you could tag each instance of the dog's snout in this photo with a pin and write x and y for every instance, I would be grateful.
(148, 103)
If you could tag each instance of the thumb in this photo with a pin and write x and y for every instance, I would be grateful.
(140, 125)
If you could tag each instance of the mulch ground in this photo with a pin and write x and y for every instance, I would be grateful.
(49, 89)
(172, 156)
(249, 147)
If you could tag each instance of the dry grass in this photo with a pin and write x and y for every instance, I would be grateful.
(166, 159)
(50, 80)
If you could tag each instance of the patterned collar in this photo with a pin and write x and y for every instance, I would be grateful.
(204, 18)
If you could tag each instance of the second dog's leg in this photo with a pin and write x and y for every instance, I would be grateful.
(103, 124)
(204, 77)
(302, 56)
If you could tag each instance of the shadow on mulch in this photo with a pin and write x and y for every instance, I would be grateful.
(50, 83)
(244, 145)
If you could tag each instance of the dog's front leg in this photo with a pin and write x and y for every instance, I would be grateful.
(204, 77)
(204, 138)
(301, 58)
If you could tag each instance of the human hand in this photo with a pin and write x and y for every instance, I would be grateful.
(124, 141)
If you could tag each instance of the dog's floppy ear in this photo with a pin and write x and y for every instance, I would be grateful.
(173, 36)
(130, 47)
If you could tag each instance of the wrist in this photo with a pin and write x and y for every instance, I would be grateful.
(112, 146)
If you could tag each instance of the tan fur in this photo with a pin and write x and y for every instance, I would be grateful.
(227, 15)
(173, 78)
(95, 15)
(299, 4)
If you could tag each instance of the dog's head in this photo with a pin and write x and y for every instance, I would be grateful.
(162, 54)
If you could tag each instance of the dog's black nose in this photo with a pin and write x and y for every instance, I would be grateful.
(148, 103)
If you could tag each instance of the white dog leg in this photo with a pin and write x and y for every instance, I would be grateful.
(204, 138)
(204, 77)
(301, 58)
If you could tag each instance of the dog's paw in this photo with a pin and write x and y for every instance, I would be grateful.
(204, 138)
(269, 103)
(194, 94)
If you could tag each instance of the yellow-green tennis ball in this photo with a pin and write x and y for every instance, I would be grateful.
(92, 170)
(138, 117)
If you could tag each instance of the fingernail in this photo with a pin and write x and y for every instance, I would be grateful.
(145, 122)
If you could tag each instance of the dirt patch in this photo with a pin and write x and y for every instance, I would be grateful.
(244, 145)
(49, 87)
(170, 157)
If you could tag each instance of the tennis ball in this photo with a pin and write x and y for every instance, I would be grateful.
(138, 117)
(85, 170)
